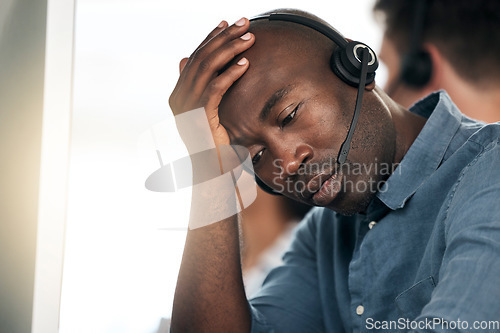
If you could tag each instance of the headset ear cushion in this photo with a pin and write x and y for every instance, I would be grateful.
(340, 71)
(416, 69)
(347, 66)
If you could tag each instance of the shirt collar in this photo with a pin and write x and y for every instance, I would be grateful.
(426, 152)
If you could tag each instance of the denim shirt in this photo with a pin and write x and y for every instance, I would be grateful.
(424, 257)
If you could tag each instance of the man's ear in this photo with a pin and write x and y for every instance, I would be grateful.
(435, 82)
(370, 86)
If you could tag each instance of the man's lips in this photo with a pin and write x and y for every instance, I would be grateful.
(317, 183)
(314, 185)
(328, 191)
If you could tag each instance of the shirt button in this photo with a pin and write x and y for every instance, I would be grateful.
(371, 224)
(359, 310)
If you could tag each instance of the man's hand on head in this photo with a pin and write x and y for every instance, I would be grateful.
(204, 78)
(201, 85)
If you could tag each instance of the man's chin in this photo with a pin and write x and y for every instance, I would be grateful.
(352, 203)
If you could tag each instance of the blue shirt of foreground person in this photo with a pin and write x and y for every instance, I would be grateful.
(426, 246)
(426, 250)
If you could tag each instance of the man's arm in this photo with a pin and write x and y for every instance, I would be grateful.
(210, 296)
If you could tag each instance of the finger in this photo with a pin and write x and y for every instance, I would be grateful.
(221, 38)
(223, 25)
(218, 60)
(198, 58)
(182, 78)
(213, 33)
(192, 82)
(182, 64)
(219, 86)
(209, 68)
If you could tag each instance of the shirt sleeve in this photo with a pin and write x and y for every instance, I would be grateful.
(289, 300)
(467, 295)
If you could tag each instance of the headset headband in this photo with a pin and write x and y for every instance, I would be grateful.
(329, 32)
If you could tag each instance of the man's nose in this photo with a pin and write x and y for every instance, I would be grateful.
(291, 158)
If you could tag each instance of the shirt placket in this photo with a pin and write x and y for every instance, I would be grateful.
(357, 274)
(359, 283)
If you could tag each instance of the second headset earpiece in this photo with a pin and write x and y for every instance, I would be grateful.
(416, 66)
(416, 69)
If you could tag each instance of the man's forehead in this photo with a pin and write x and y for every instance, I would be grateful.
(263, 86)
(267, 42)
(281, 56)
(273, 59)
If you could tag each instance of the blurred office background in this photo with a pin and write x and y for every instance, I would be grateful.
(120, 244)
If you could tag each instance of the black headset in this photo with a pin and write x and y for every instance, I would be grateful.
(353, 62)
(416, 66)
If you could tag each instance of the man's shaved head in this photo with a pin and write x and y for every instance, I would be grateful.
(304, 38)
(297, 38)
(296, 12)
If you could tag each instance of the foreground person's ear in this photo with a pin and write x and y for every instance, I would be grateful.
(370, 86)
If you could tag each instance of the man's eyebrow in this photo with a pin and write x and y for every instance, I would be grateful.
(266, 110)
(273, 100)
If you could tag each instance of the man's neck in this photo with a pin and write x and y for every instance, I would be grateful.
(407, 124)
(476, 100)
